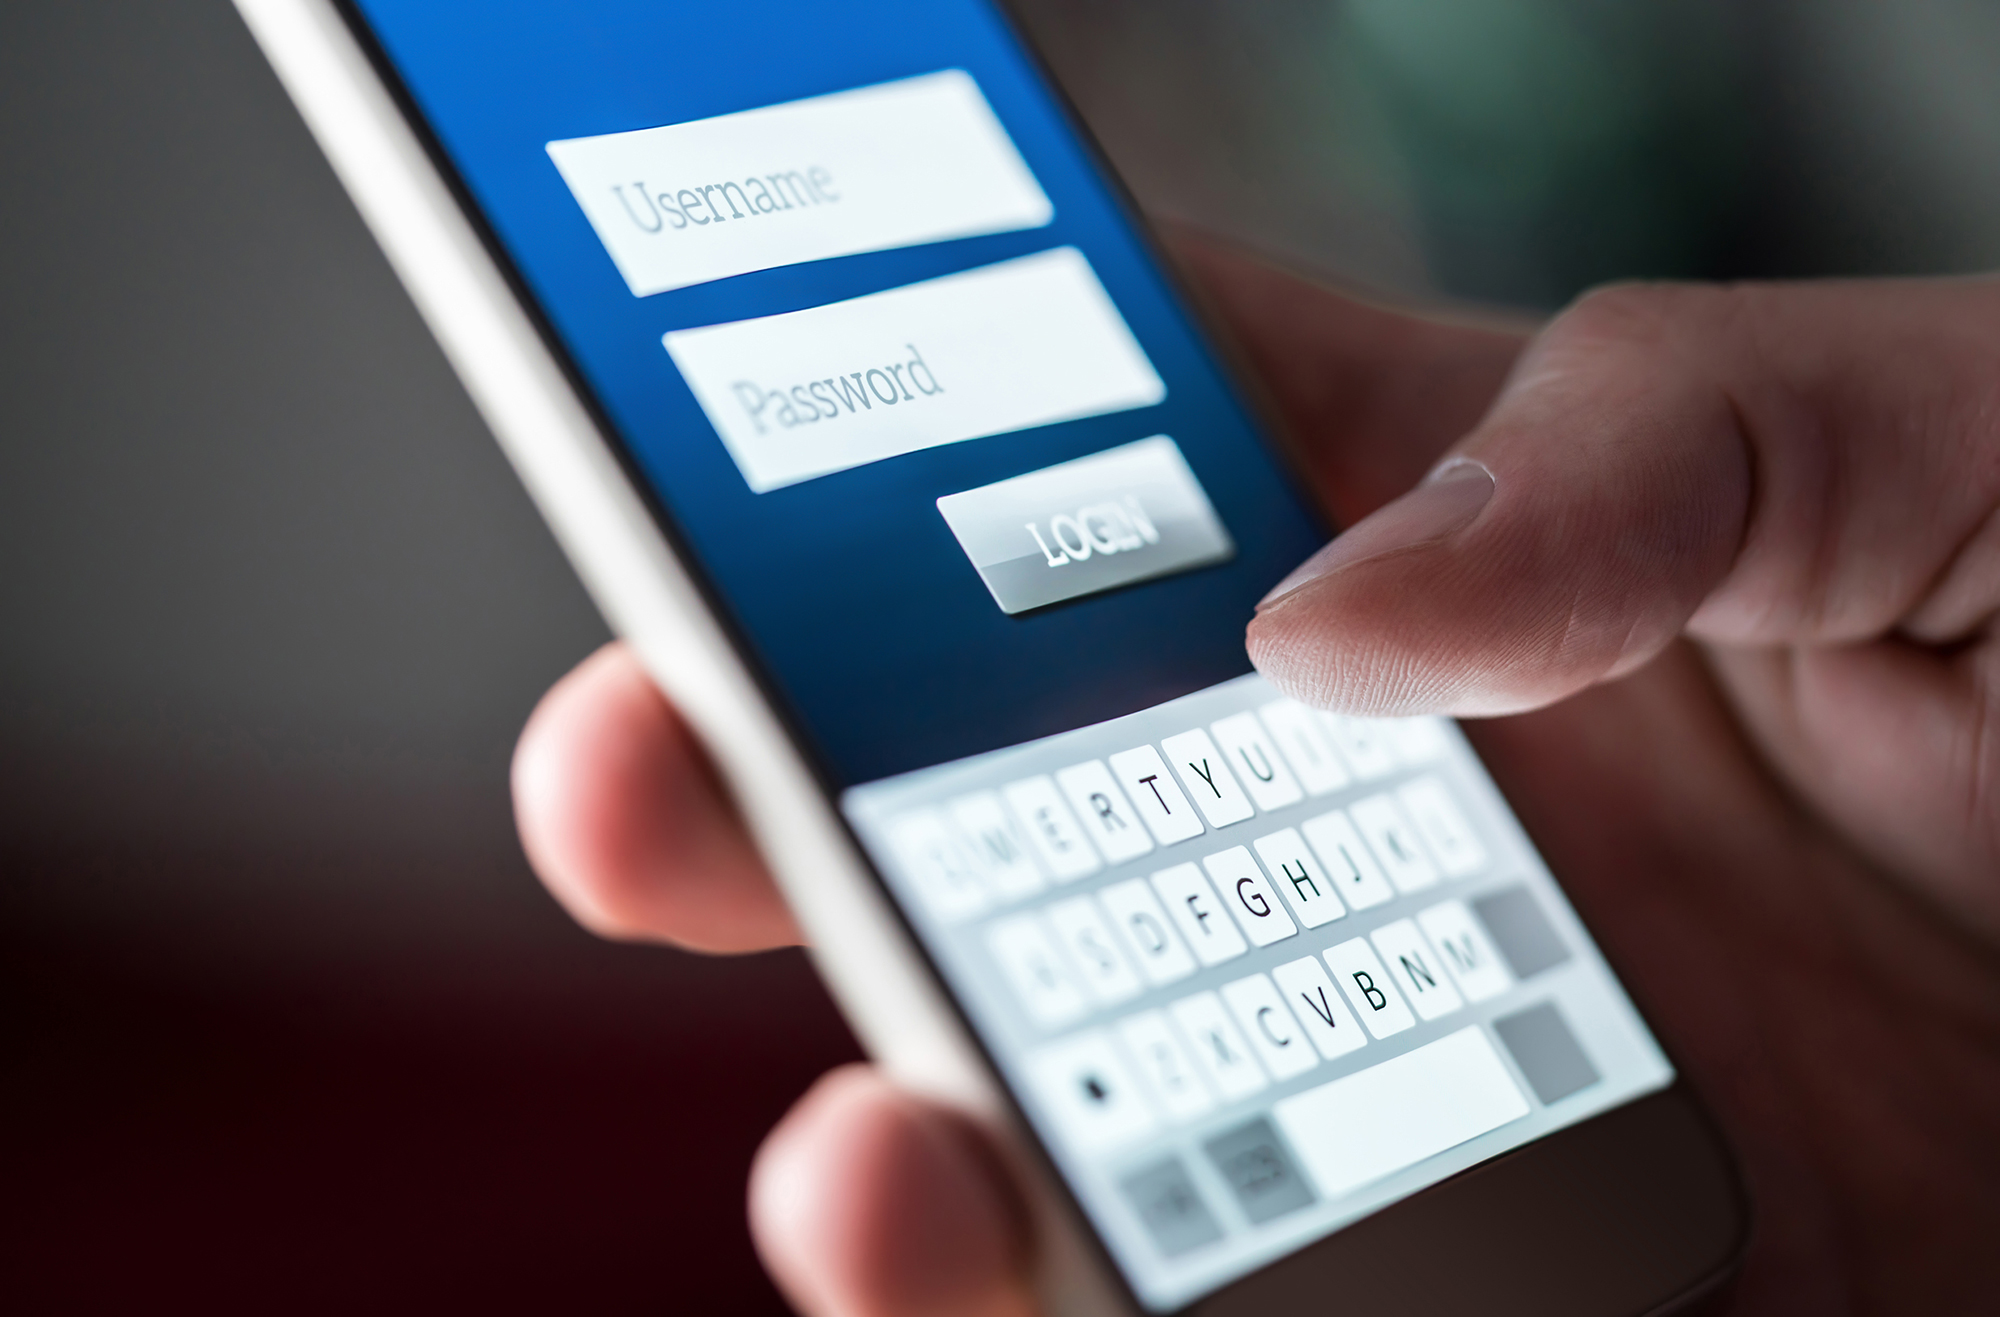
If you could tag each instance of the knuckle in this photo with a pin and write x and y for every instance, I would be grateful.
(1653, 319)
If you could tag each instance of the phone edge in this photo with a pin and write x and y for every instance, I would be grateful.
(860, 946)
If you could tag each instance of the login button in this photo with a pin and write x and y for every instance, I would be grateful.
(1127, 514)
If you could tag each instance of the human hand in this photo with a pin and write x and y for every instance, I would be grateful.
(1785, 831)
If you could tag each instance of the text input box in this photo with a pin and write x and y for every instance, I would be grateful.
(920, 160)
(1004, 347)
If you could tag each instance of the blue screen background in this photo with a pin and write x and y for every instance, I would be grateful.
(871, 628)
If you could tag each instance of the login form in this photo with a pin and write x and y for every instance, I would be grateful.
(889, 354)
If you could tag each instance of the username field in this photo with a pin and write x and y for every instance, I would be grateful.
(921, 160)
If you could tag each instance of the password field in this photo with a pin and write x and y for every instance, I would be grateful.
(1026, 342)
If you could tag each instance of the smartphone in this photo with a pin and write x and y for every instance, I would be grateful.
(850, 382)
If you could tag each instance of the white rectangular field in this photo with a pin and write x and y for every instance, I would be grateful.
(1356, 1130)
(1026, 342)
(920, 160)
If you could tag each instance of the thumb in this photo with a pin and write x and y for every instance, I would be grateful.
(1809, 465)
(1565, 541)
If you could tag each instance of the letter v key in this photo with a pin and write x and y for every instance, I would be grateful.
(1326, 1019)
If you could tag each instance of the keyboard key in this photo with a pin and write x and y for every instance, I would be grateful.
(1029, 962)
(938, 864)
(1256, 762)
(1170, 1207)
(1550, 1058)
(1089, 1094)
(1207, 778)
(1316, 1004)
(998, 846)
(1163, 1063)
(1193, 906)
(1451, 840)
(1461, 943)
(1256, 908)
(1516, 924)
(1361, 743)
(1277, 1038)
(1368, 988)
(1347, 858)
(1219, 1049)
(1418, 741)
(1107, 816)
(1147, 932)
(1297, 873)
(1416, 969)
(1362, 1127)
(1299, 736)
(1394, 842)
(1093, 951)
(1166, 812)
(1254, 1164)
(1052, 830)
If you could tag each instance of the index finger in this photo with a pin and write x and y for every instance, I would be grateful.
(1370, 396)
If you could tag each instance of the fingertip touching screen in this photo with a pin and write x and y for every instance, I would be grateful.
(912, 396)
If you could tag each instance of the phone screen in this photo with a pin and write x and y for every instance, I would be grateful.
(912, 396)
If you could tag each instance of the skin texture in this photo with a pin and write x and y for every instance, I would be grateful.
(1727, 560)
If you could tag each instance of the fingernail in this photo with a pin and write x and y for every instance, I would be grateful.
(1446, 502)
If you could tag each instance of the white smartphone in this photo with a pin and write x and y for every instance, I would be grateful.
(856, 393)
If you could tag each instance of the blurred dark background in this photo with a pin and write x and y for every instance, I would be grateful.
(288, 1024)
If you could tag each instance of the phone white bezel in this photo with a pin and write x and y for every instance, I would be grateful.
(859, 944)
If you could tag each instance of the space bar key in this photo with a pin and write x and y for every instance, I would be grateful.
(1365, 1126)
